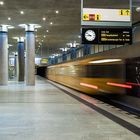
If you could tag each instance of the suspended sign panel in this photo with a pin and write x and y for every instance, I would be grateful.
(44, 61)
(109, 36)
(111, 15)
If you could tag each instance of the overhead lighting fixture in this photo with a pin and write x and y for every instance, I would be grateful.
(19, 39)
(9, 45)
(1, 2)
(70, 45)
(30, 27)
(51, 23)
(64, 49)
(138, 9)
(44, 19)
(5, 27)
(47, 31)
(79, 36)
(15, 53)
(75, 44)
(40, 43)
(52, 56)
(22, 12)
(9, 18)
(57, 12)
(56, 54)
(44, 36)
(105, 61)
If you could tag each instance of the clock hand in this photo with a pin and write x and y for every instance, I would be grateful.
(89, 35)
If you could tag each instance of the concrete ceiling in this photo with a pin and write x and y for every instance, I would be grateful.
(66, 24)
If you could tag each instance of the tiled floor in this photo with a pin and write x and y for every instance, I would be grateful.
(44, 112)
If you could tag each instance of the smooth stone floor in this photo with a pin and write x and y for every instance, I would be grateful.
(44, 112)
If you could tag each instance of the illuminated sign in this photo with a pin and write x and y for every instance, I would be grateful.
(91, 17)
(44, 61)
(109, 36)
(125, 12)
(111, 15)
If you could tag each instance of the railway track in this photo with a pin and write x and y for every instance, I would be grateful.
(111, 99)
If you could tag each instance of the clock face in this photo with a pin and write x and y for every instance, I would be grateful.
(90, 35)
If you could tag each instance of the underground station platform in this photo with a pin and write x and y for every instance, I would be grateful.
(49, 111)
(69, 70)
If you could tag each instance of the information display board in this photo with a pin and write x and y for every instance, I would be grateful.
(115, 15)
(110, 36)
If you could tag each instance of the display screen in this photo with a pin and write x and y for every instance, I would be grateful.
(107, 36)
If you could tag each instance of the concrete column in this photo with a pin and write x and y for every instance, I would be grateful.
(73, 52)
(21, 60)
(30, 57)
(64, 56)
(3, 55)
(56, 59)
(16, 65)
(86, 50)
(30, 53)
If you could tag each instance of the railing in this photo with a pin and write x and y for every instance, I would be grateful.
(80, 52)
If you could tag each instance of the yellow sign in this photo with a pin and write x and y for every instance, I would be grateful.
(97, 17)
(85, 17)
(44, 61)
(124, 12)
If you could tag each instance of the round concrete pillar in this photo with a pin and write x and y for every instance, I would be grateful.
(3, 55)
(21, 60)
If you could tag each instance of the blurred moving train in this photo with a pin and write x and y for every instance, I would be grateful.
(91, 77)
(108, 76)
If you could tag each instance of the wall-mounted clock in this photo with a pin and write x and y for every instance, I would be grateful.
(90, 35)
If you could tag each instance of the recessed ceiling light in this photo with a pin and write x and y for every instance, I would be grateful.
(57, 12)
(42, 40)
(10, 45)
(51, 23)
(22, 12)
(36, 36)
(44, 36)
(1, 3)
(47, 31)
(44, 19)
(9, 18)
(138, 9)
